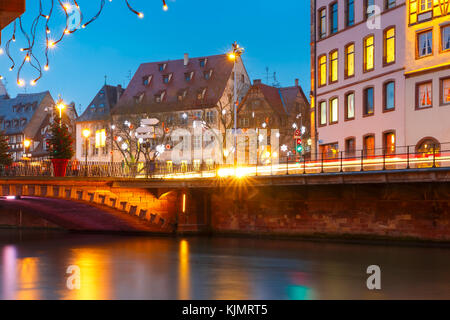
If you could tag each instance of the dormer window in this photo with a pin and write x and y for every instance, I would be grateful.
(147, 80)
(167, 78)
(159, 97)
(203, 62)
(188, 76)
(182, 94)
(162, 67)
(201, 94)
(139, 98)
(102, 93)
(207, 74)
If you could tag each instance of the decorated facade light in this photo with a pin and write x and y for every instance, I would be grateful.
(33, 34)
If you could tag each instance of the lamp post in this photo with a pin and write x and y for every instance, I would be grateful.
(86, 135)
(26, 145)
(237, 51)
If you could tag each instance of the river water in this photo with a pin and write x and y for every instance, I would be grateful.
(34, 265)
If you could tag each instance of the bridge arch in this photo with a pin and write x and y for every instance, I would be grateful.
(96, 206)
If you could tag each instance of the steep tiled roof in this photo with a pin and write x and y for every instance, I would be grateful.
(20, 108)
(282, 100)
(102, 104)
(212, 76)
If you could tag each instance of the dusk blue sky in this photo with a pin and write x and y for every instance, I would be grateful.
(275, 35)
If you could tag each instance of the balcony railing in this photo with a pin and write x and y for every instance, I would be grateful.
(402, 158)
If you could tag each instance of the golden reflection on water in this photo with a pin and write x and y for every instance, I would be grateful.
(28, 275)
(94, 275)
(184, 274)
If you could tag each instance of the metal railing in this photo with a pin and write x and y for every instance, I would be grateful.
(402, 158)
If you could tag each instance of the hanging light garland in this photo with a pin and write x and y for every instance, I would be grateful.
(30, 38)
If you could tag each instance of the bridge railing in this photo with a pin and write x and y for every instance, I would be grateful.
(400, 158)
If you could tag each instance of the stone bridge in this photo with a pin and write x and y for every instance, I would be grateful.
(403, 204)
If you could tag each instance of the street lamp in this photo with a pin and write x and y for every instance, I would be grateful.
(233, 55)
(26, 144)
(86, 135)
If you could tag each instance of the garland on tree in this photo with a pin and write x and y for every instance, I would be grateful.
(61, 141)
(5, 157)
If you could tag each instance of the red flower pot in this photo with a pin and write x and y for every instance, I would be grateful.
(60, 167)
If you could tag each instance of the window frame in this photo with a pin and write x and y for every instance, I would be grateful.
(428, 30)
(418, 84)
(351, 153)
(325, 28)
(364, 145)
(387, 3)
(330, 112)
(365, 90)
(385, 84)
(331, 17)
(330, 69)
(366, 6)
(320, 113)
(441, 91)
(319, 76)
(346, 75)
(346, 95)
(347, 11)
(441, 39)
(365, 53)
(385, 47)
(385, 135)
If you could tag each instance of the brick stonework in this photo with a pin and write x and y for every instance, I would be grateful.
(419, 210)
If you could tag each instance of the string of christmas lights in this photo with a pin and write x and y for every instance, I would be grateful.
(30, 38)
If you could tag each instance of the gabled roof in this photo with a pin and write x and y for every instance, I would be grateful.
(102, 104)
(281, 100)
(220, 66)
(9, 112)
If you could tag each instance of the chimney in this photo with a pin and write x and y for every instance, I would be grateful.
(186, 59)
(256, 81)
(296, 82)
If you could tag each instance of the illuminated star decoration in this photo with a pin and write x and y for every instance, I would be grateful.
(30, 37)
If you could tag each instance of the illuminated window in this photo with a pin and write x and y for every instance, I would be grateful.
(184, 166)
(350, 106)
(445, 91)
(333, 18)
(323, 113)
(329, 151)
(350, 13)
(169, 165)
(445, 34)
(334, 110)
(322, 70)
(100, 138)
(389, 45)
(424, 97)
(389, 96)
(369, 53)
(369, 145)
(323, 23)
(389, 142)
(350, 60)
(425, 43)
(334, 66)
(425, 5)
(368, 102)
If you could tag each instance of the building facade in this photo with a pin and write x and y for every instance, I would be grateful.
(427, 72)
(183, 94)
(282, 109)
(380, 75)
(96, 118)
(27, 117)
(359, 75)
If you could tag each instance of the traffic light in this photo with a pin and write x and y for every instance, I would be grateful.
(299, 146)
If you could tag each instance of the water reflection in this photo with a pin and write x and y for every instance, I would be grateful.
(34, 266)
